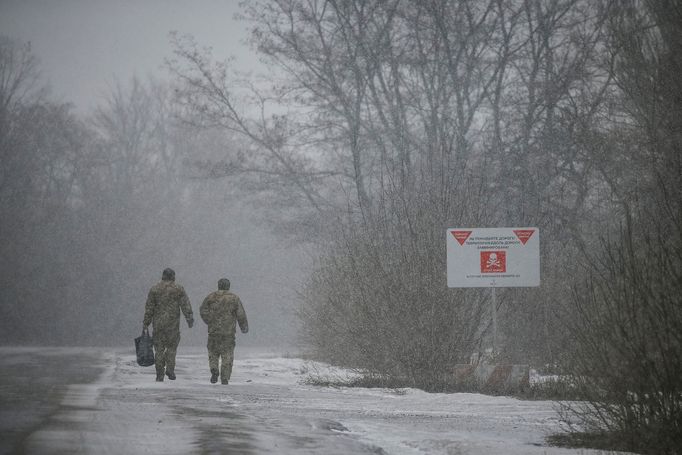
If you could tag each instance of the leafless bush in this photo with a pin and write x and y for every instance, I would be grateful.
(387, 310)
(628, 353)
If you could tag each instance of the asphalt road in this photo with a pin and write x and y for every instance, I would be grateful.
(56, 401)
(33, 382)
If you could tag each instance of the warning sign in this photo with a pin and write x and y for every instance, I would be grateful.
(493, 262)
(493, 257)
(524, 234)
(461, 236)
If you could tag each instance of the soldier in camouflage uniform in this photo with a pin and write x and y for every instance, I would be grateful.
(221, 310)
(165, 301)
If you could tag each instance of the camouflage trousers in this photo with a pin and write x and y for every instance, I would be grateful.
(221, 355)
(165, 347)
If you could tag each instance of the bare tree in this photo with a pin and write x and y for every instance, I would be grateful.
(387, 100)
(41, 145)
(629, 353)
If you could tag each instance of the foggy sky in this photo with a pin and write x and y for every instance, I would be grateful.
(84, 46)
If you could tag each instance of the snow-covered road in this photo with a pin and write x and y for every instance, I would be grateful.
(266, 408)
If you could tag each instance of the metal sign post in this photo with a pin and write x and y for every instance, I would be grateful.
(493, 310)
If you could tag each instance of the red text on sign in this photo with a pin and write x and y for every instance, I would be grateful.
(461, 236)
(524, 234)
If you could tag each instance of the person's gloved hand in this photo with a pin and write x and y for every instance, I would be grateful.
(190, 322)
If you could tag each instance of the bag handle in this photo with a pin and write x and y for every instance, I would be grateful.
(145, 330)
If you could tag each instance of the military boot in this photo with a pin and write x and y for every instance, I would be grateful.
(159, 376)
(214, 376)
(224, 381)
(171, 375)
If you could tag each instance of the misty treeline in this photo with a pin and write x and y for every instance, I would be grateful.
(385, 123)
(94, 205)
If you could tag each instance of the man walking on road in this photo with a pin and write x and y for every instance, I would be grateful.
(221, 310)
(165, 301)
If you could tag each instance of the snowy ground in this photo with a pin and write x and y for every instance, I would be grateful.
(118, 408)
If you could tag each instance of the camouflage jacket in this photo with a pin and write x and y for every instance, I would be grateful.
(164, 302)
(221, 310)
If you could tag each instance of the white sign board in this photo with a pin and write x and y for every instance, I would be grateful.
(493, 257)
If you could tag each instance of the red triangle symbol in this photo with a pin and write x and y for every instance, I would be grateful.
(524, 234)
(461, 236)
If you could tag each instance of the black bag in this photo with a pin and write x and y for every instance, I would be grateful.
(145, 349)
